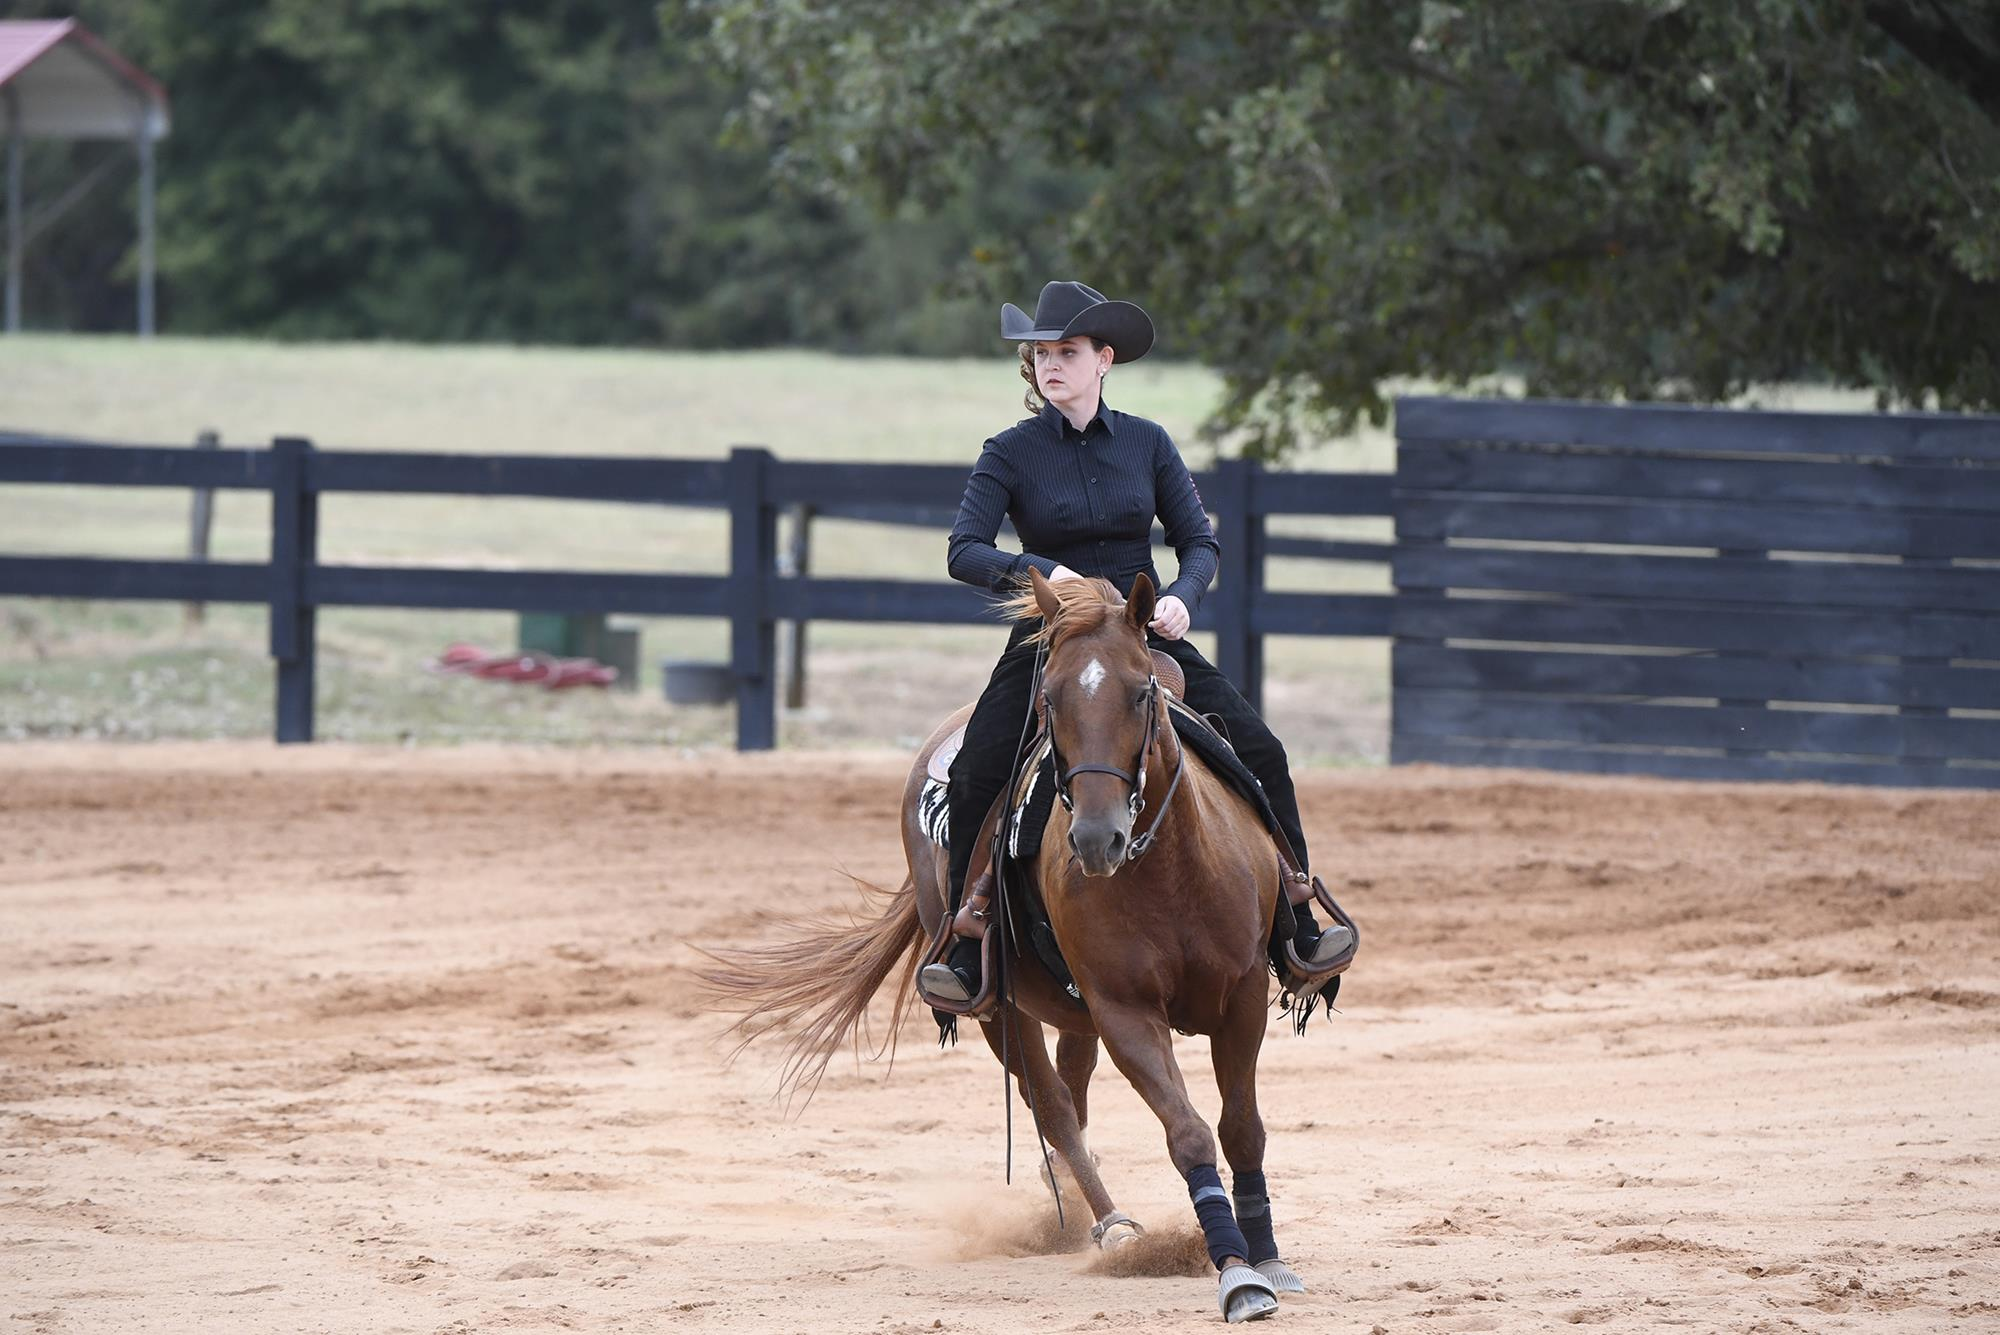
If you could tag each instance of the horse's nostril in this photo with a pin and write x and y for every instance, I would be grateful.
(1116, 845)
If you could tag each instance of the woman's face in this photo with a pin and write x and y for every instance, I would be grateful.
(1068, 372)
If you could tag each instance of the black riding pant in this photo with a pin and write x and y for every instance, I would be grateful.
(995, 730)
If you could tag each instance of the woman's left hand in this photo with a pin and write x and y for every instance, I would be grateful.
(1170, 617)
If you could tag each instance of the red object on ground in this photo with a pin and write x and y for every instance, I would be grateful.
(545, 670)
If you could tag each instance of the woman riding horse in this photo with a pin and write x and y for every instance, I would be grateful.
(1188, 951)
(1082, 484)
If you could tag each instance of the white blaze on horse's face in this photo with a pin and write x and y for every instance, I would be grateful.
(1092, 678)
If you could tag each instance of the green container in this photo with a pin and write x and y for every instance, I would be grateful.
(584, 635)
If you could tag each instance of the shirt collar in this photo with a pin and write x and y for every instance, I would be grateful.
(1054, 417)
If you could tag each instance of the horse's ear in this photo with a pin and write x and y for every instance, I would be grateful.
(1139, 607)
(1045, 595)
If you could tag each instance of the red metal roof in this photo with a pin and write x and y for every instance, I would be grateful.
(24, 41)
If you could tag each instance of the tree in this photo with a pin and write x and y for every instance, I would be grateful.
(426, 169)
(1626, 198)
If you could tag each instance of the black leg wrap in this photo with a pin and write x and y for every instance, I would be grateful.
(1218, 1221)
(1253, 1216)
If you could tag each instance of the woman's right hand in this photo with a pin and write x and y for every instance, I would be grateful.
(1063, 573)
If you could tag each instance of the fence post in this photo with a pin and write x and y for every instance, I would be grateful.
(294, 549)
(753, 634)
(798, 565)
(1239, 649)
(199, 522)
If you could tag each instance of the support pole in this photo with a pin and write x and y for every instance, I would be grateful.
(199, 523)
(294, 551)
(15, 239)
(753, 633)
(146, 184)
(799, 566)
(1239, 648)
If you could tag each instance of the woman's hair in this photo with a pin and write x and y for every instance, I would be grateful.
(1033, 400)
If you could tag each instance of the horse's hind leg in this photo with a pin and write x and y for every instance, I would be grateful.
(1047, 1095)
(1076, 1059)
(1241, 1129)
(1139, 1044)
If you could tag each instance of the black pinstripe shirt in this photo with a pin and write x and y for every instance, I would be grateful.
(1083, 499)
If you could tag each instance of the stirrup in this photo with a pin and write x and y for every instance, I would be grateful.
(1303, 975)
(941, 980)
(949, 995)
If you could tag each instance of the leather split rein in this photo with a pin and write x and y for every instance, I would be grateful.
(1135, 778)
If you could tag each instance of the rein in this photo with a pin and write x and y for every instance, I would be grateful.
(1135, 777)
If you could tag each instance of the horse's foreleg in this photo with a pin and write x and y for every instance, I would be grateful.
(1049, 1098)
(1141, 1048)
(1241, 1128)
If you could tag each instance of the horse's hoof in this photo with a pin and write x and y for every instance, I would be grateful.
(1245, 1295)
(1115, 1230)
(1283, 1278)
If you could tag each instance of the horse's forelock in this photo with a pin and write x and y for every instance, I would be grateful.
(1085, 605)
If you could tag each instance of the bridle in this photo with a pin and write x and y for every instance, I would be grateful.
(1135, 777)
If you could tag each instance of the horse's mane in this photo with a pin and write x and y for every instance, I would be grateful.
(1085, 605)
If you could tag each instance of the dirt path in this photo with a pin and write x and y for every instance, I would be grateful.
(392, 1041)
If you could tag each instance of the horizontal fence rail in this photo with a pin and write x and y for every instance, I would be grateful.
(1698, 592)
(757, 593)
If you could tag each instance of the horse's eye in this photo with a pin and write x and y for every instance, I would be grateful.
(1139, 700)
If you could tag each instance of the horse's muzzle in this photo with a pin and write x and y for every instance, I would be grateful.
(1100, 845)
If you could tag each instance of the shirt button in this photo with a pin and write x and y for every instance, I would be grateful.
(1093, 482)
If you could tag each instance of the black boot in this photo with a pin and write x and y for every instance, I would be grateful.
(957, 979)
(1314, 945)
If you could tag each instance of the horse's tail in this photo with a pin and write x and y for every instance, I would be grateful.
(816, 988)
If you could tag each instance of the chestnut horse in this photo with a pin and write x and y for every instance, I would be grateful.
(1171, 940)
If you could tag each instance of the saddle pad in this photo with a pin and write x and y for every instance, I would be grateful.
(1028, 810)
(939, 768)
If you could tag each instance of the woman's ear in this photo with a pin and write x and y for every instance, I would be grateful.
(1139, 607)
(1045, 595)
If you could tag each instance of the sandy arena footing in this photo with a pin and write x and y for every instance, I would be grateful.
(331, 1039)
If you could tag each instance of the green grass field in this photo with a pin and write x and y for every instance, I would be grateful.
(140, 670)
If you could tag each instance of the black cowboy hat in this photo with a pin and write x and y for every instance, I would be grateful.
(1066, 310)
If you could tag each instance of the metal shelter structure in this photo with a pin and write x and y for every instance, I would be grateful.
(58, 81)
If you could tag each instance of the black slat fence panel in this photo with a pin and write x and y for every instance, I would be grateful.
(1857, 486)
(98, 577)
(936, 487)
(1700, 579)
(567, 591)
(751, 484)
(1316, 493)
(1695, 676)
(1668, 523)
(684, 481)
(1683, 429)
(1532, 628)
(135, 466)
(1681, 765)
(1365, 614)
(1836, 633)
(1486, 714)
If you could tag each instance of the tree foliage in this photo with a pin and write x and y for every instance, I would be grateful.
(434, 170)
(1637, 198)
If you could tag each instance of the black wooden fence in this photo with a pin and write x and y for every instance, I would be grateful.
(752, 484)
(1698, 592)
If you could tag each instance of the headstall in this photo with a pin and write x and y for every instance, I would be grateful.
(1135, 777)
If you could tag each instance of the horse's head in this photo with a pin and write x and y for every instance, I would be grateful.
(1103, 706)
